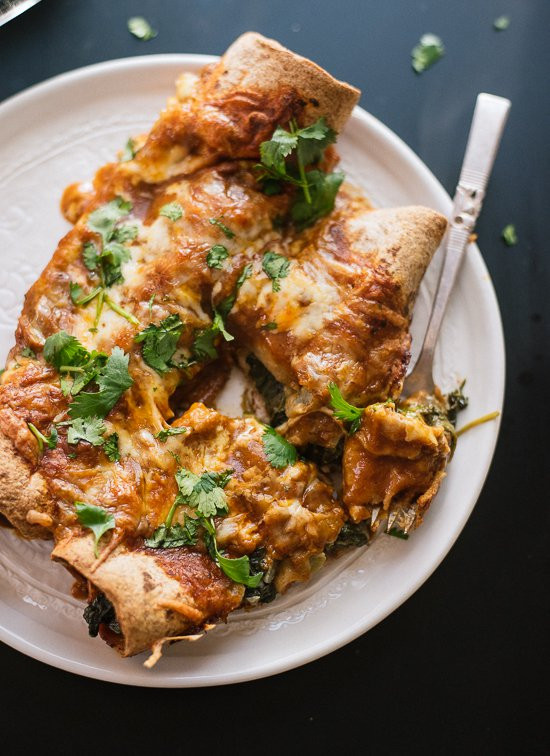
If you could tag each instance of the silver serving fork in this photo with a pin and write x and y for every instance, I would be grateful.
(488, 123)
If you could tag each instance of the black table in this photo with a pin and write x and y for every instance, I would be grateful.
(461, 666)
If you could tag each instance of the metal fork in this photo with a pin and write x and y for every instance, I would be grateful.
(488, 123)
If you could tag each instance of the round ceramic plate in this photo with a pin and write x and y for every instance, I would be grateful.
(60, 132)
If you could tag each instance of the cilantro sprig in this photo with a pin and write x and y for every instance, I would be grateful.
(227, 232)
(160, 342)
(204, 346)
(112, 379)
(172, 210)
(279, 452)
(284, 159)
(44, 441)
(104, 260)
(343, 410)
(205, 495)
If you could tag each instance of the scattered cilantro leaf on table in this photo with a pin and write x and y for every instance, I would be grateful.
(428, 51)
(141, 28)
(501, 23)
(509, 235)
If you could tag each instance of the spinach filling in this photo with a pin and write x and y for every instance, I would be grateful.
(265, 591)
(101, 612)
(350, 535)
(272, 392)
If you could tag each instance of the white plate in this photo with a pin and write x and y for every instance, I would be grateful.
(61, 131)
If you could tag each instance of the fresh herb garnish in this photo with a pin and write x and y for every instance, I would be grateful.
(113, 379)
(141, 28)
(160, 342)
(427, 52)
(97, 519)
(63, 350)
(106, 261)
(226, 305)
(216, 255)
(343, 410)
(103, 220)
(28, 352)
(173, 211)
(279, 452)
(89, 429)
(174, 536)
(129, 151)
(501, 23)
(275, 266)
(110, 447)
(203, 347)
(49, 441)
(237, 569)
(167, 432)
(227, 232)
(272, 326)
(203, 492)
(284, 160)
(509, 235)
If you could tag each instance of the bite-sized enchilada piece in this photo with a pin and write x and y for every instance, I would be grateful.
(231, 500)
(395, 462)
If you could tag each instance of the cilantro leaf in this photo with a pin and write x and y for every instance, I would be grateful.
(509, 235)
(271, 326)
(90, 429)
(275, 266)
(176, 535)
(343, 410)
(167, 432)
(226, 305)
(75, 292)
(173, 211)
(129, 151)
(501, 23)
(313, 140)
(216, 255)
(323, 188)
(228, 233)
(205, 492)
(126, 232)
(203, 347)
(90, 255)
(427, 52)
(49, 441)
(113, 379)
(237, 569)
(110, 447)
(111, 259)
(61, 349)
(103, 220)
(96, 519)
(141, 28)
(279, 452)
(28, 352)
(279, 147)
(160, 342)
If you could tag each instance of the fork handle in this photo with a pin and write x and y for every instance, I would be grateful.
(488, 124)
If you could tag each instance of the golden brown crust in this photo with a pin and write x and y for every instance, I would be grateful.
(150, 603)
(22, 492)
(258, 64)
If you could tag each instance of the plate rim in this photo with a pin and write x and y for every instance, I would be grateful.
(350, 633)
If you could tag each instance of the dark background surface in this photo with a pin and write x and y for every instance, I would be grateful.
(463, 665)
